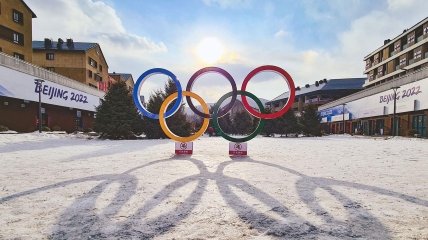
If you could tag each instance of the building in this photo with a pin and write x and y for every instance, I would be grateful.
(123, 77)
(395, 98)
(81, 61)
(67, 105)
(397, 57)
(321, 92)
(16, 29)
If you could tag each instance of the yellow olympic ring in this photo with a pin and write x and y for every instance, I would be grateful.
(165, 128)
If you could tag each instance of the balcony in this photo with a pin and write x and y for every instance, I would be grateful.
(405, 46)
(398, 67)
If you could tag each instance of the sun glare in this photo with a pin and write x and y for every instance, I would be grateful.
(210, 50)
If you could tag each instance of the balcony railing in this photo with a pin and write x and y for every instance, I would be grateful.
(405, 46)
(39, 72)
(411, 61)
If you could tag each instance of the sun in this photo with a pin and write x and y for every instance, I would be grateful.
(210, 50)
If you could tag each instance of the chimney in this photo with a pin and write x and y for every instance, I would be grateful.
(59, 44)
(70, 43)
(386, 41)
(48, 43)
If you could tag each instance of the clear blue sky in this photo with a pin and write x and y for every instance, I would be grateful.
(311, 39)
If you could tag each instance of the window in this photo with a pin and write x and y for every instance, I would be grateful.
(403, 61)
(397, 47)
(50, 56)
(19, 56)
(98, 77)
(417, 54)
(15, 38)
(92, 62)
(89, 73)
(17, 17)
(426, 30)
(52, 69)
(411, 39)
(18, 38)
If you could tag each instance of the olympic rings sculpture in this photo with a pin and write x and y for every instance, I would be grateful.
(217, 111)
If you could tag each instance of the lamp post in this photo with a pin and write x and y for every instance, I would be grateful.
(39, 85)
(343, 117)
(394, 132)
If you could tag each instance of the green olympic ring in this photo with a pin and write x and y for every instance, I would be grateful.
(215, 118)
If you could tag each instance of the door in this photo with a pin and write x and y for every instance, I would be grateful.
(419, 124)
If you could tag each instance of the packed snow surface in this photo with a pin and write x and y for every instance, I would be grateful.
(56, 186)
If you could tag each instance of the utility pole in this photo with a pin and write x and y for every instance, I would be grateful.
(39, 85)
(394, 124)
(343, 117)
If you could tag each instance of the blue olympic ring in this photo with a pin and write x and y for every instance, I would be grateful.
(139, 83)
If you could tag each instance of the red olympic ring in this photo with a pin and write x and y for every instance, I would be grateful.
(290, 100)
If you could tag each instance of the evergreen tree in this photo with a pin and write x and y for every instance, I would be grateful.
(226, 124)
(271, 125)
(242, 123)
(117, 117)
(152, 128)
(311, 121)
(177, 123)
(287, 123)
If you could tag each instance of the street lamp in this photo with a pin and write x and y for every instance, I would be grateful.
(343, 117)
(39, 84)
(394, 132)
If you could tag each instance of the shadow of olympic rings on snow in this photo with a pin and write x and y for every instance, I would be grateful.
(83, 220)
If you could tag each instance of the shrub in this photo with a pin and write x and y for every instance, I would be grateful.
(56, 128)
(412, 132)
(3, 128)
(46, 129)
(86, 130)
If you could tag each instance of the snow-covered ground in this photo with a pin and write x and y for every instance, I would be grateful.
(338, 187)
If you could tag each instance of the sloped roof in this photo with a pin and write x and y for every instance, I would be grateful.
(32, 13)
(125, 76)
(331, 84)
(78, 46)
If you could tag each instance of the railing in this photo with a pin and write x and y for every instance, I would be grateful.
(411, 61)
(405, 46)
(39, 72)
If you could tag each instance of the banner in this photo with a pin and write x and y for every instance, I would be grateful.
(410, 97)
(20, 85)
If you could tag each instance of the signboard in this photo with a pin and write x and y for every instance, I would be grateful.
(238, 149)
(410, 97)
(184, 148)
(20, 85)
